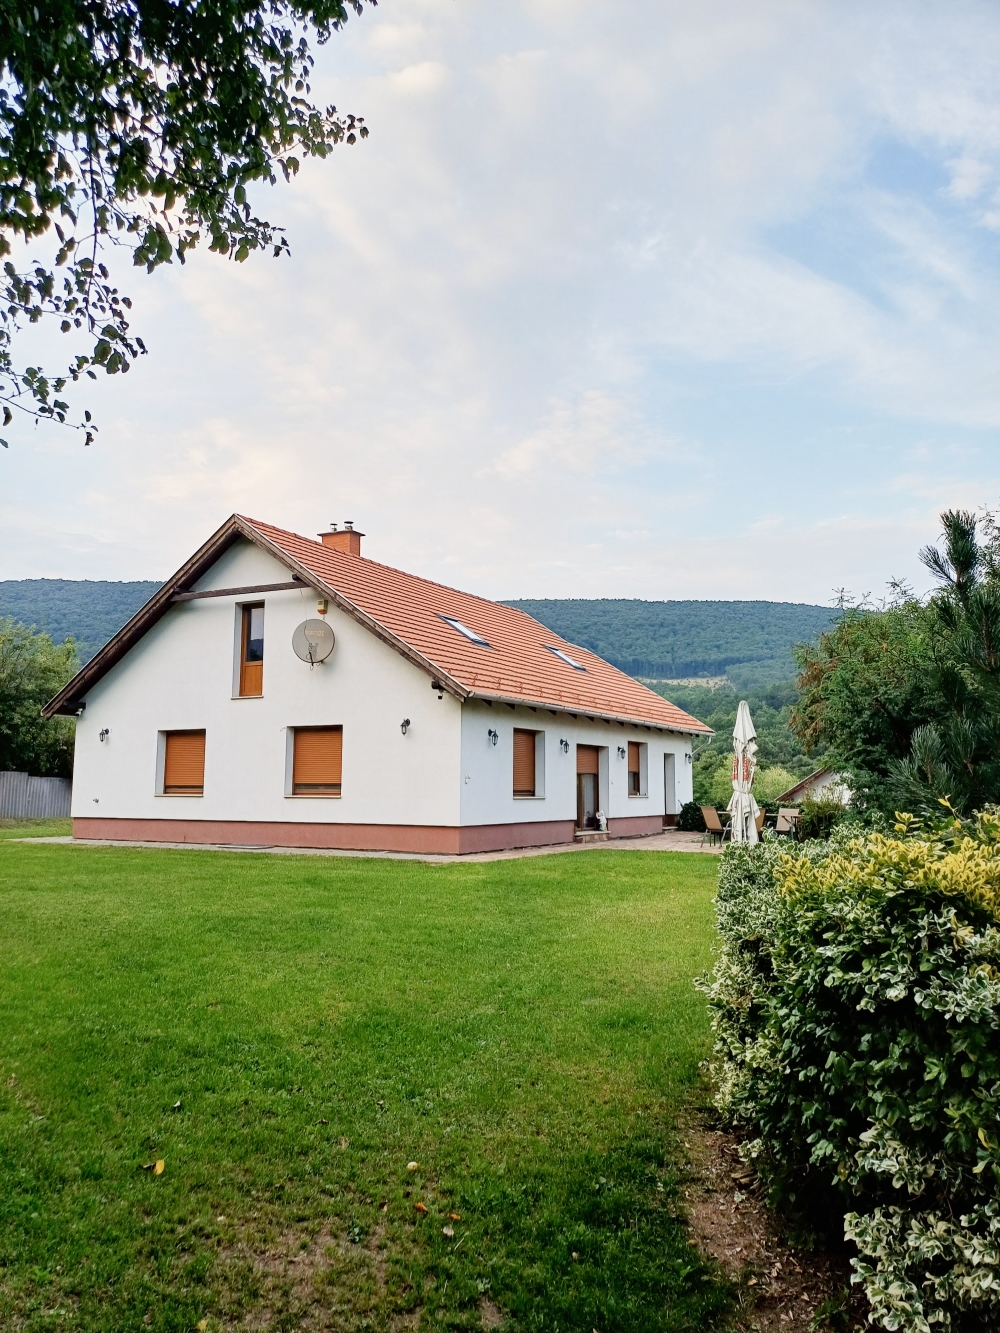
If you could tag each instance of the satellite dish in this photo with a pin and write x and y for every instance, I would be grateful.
(313, 641)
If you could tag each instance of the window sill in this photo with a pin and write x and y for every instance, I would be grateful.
(181, 795)
(638, 796)
(247, 696)
(528, 798)
(313, 796)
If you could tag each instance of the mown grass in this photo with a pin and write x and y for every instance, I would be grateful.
(35, 828)
(287, 1033)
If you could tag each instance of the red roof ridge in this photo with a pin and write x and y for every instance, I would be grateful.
(522, 672)
(393, 569)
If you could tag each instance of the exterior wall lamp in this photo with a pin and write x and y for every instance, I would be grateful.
(104, 733)
(621, 752)
(564, 746)
(494, 736)
(404, 726)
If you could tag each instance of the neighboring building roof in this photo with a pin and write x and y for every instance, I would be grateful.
(800, 788)
(407, 612)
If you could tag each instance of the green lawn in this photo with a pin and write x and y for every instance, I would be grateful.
(35, 828)
(288, 1033)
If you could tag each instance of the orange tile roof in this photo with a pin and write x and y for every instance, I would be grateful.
(517, 666)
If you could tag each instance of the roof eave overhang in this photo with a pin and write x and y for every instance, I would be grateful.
(70, 698)
(520, 700)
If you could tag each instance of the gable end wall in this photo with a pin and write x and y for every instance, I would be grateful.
(180, 675)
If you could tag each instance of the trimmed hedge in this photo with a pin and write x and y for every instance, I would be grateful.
(818, 819)
(856, 1010)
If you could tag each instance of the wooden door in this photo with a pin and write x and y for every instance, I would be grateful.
(252, 652)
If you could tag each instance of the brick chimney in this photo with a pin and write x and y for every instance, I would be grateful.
(347, 539)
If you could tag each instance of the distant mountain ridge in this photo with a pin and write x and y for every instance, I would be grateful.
(750, 642)
(87, 610)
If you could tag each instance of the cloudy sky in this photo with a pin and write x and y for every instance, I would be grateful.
(631, 299)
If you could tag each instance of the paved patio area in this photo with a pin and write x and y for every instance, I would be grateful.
(671, 840)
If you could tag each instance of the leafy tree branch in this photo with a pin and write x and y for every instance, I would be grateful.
(140, 124)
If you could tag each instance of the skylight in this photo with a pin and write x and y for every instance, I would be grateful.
(565, 657)
(470, 634)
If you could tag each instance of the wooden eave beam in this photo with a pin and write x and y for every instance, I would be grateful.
(239, 592)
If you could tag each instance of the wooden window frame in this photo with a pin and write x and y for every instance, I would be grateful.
(163, 745)
(248, 673)
(290, 784)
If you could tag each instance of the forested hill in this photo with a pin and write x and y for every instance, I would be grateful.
(88, 610)
(748, 641)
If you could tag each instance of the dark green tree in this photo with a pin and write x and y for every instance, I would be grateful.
(865, 688)
(32, 670)
(956, 757)
(140, 124)
(907, 696)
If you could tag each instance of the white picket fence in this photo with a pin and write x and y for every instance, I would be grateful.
(25, 797)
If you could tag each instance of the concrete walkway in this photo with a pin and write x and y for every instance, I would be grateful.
(671, 840)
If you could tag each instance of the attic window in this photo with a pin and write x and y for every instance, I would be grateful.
(470, 634)
(565, 657)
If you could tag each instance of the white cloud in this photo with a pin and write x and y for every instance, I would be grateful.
(968, 177)
(616, 300)
(594, 434)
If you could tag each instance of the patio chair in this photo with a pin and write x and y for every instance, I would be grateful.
(714, 827)
(788, 818)
(759, 821)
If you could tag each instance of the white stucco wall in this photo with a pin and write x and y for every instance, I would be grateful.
(488, 769)
(828, 787)
(180, 675)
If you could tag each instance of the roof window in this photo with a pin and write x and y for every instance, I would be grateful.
(565, 657)
(464, 630)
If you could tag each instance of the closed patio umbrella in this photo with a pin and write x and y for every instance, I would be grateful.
(743, 809)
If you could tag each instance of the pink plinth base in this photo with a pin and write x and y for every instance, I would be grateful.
(640, 826)
(346, 837)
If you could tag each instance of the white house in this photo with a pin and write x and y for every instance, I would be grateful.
(826, 784)
(435, 721)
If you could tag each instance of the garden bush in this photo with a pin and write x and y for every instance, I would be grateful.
(690, 819)
(856, 1009)
(818, 819)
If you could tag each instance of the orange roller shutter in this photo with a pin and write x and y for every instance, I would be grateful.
(586, 759)
(317, 761)
(184, 763)
(633, 768)
(524, 763)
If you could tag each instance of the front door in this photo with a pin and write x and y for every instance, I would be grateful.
(588, 793)
(586, 800)
(669, 791)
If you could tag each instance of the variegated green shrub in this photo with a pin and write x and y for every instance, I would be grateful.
(856, 1008)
